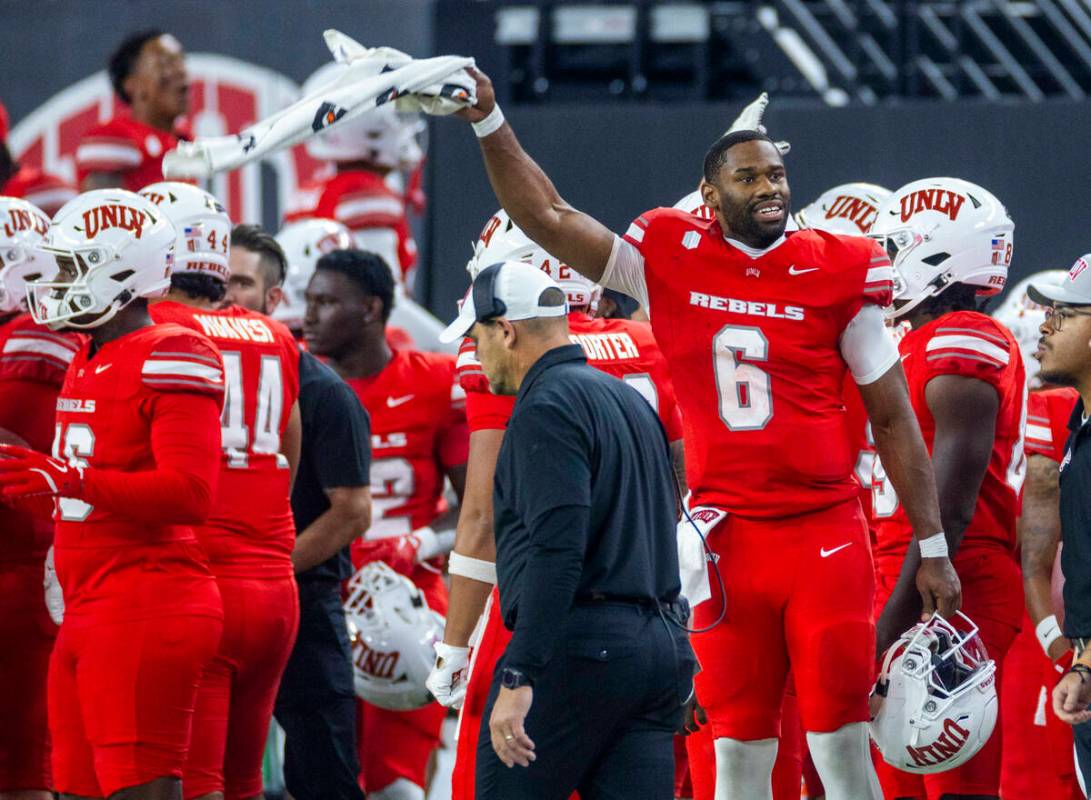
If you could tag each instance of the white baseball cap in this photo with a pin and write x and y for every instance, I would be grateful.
(509, 289)
(1074, 290)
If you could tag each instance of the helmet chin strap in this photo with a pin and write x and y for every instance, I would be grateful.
(934, 288)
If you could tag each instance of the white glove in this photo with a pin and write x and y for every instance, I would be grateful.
(54, 598)
(448, 678)
(750, 120)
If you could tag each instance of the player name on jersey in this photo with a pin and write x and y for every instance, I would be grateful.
(606, 346)
(238, 328)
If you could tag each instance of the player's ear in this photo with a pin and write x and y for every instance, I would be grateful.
(508, 333)
(710, 195)
(274, 296)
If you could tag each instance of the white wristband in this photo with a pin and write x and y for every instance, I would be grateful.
(1048, 631)
(934, 546)
(474, 568)
(490, 124)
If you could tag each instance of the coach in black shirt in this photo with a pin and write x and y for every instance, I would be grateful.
(590, 690)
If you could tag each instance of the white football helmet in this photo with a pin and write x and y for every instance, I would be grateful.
(939, 697)
(393, 633)
(22, 226)
(848, 209)
(304, 242)
(502, 240)
(940, 231)
(694, 204)
(1023, 317)
(382, 135)
(121, 248)
(202, 228)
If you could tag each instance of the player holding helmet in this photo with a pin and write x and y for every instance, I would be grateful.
(759, 329)
(33, 361)
(134, 467)
(367, 152)
(249, 535)
(618, 347)
(419, 437)
(951, 242)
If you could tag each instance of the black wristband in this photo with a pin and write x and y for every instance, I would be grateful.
(1082, 670)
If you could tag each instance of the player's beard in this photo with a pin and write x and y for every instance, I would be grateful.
(745, 227)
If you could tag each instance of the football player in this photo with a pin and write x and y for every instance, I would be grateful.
(148, 73)
(1037, 747)
(33, 360)
(249, 536)
(367, 153)
(258, 269)
(418, 437)
(951, 243)
(134, 468)
(47, 192)
(759, 329)
(621, 348)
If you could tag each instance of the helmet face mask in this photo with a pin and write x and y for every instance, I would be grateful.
(111, 247)
(939, 688)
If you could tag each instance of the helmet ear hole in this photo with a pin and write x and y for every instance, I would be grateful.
(936, 259)
(123, 276)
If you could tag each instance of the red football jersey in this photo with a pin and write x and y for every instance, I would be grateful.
(124, 145)
(418, 432)
(975, 346)
(624, 349)
(863, 444)
(33, 360)
(250, 532)
(1048, 413)
(108, 561)
(44, 190)
(752, 339)
(361, 201)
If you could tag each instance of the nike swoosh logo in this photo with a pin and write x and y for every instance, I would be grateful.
(102, 368)
(794, 270)
(394, 402)
(827, 553)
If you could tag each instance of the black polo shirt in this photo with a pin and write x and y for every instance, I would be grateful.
(1076, 527)
(583, 504)
(336, 453)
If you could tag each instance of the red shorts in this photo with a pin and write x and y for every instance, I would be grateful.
(992, 596)
(1037, 748)
(239, 687)
(121, 699)
(399, 744)
(800, 591)
(26, 641)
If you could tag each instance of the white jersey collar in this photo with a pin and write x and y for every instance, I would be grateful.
(754, 252)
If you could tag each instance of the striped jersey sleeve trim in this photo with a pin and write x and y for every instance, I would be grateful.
(879, 275)
(187, 357)
(173, 369)
(963, 356)
(1039, 433)
(953, 344)
(369, 206)
(467, 359)
(108, 152)
(992, 337)
(635, 234)
(44, 346)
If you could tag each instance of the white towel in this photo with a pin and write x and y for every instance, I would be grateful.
(441, 81)
(692, 556)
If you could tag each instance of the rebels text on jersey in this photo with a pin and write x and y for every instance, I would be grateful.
(619, 347)
(418, 431)
(753, 342)
(250, 532)
(1048, 413)
(972, 345)
(33, 361)
(114, 415)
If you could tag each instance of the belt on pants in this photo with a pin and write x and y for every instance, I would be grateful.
(678, 607)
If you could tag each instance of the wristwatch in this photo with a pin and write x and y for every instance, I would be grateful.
(513, 679)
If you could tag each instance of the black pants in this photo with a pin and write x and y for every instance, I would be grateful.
(604, 712)
(1082, 734)
(316, 704)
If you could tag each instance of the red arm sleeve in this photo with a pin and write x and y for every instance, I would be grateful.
(453, 444)
(185, 433)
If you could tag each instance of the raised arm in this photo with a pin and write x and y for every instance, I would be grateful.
(531, 199)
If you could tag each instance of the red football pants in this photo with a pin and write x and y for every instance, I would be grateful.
(122, 696)
(26, 641)
(399, 744)
(239, 687)
(992, 596)
(800, 592)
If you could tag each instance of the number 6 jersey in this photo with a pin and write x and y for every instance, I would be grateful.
(754, 343)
